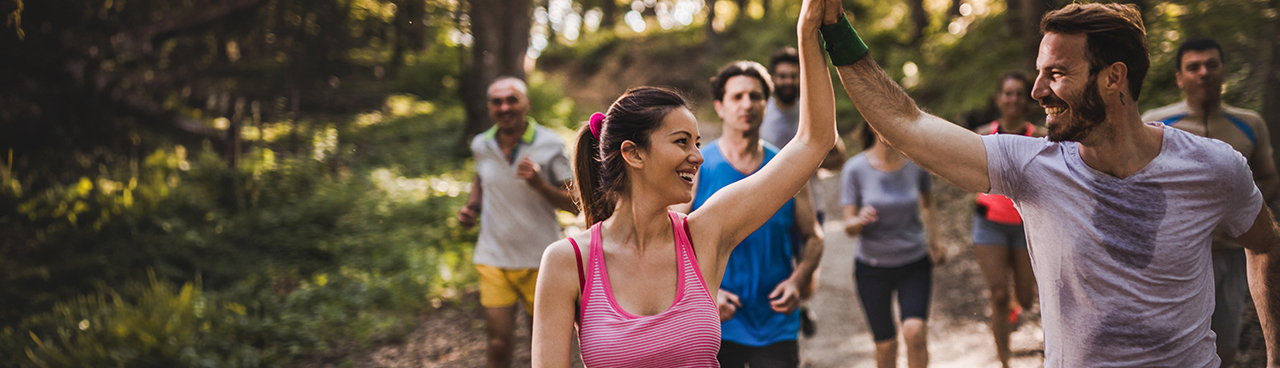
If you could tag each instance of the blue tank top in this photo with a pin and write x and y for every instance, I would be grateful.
(758, 264)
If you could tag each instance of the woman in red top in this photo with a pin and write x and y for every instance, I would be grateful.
(998, 237)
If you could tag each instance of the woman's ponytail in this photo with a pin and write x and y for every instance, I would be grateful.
(586, 174)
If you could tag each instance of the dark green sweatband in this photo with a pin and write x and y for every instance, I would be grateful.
(842, 42)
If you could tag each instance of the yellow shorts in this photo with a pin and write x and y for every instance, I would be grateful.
(501, 287)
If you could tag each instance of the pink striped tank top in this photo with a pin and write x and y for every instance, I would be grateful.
(685, 335)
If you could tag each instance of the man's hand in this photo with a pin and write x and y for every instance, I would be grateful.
(728, 303)
(467, 215)
(866, 215)
(785, 298)
(530, 171)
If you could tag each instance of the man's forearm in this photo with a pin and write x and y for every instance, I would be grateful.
(1264, 285)
(559, 196)
(809, 261)
(878, 98)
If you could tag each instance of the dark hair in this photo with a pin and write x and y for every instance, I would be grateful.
(866, 136)
(741, 67)
(786, 54)
(1114, 32)
(1199, 44)
(1018, 76)
(599, 169)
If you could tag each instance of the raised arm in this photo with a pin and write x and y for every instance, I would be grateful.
(1263, 254)
(948, 150)
(740, 208)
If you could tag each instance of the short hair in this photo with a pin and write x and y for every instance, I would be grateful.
(1114, 33)
(517, 82)
(1018, 76)
(1199, 44)
(741, 67)
(786, 54)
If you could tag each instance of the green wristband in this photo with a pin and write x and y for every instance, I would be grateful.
(842, 42)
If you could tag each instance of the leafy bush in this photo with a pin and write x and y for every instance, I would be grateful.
(280, 258)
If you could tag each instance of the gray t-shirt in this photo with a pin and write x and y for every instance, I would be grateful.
(1123, 264)
(779, 125)
(896, 237)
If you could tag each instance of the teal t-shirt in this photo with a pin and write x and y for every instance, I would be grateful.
(758, 264)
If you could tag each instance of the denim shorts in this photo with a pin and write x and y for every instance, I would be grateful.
(987, 232)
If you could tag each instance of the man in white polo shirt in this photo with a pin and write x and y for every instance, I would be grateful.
(522, 174)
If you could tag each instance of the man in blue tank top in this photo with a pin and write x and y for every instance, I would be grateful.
(762, 287)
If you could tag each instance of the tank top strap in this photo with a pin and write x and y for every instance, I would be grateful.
(680, 229)
(691, 272)
(595, 265)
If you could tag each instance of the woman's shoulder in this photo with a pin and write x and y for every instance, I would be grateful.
(560, 254)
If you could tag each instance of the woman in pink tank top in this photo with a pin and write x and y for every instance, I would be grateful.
(638, 285)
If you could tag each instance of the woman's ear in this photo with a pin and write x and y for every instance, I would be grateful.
(632, 154)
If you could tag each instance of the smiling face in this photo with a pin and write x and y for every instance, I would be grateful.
(1201, 74)
(507, 104)
(672, 158)
(742, 106)
(1012, 98)
(1067, 89)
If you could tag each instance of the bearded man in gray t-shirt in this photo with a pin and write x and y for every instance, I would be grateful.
(1118, 213)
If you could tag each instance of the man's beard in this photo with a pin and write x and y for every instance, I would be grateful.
(1082, 117)
(787, 95)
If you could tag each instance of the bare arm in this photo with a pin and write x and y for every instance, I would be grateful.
(855, 218)
(738, 209)
(788, 294)
(811, 234)
(558, 195)
(1264, 278)
(467, 214)
(1263, 166)
(930, 207)
(554, 302)
(953, 153)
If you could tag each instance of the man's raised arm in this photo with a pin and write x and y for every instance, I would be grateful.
(946, 149)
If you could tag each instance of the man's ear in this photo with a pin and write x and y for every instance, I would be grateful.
(1117, 76)
(632, 154)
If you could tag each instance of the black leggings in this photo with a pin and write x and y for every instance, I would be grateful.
(913, 282)
(782, 354)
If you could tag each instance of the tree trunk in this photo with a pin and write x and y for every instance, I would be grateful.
(1030, 12)
(500, 33)
(608, 14)
(919, 18)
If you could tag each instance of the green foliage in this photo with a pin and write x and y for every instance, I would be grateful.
(281, 258)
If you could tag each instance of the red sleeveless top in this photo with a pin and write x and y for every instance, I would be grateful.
(1000, 208)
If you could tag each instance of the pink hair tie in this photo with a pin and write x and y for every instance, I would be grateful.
(597, 119)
